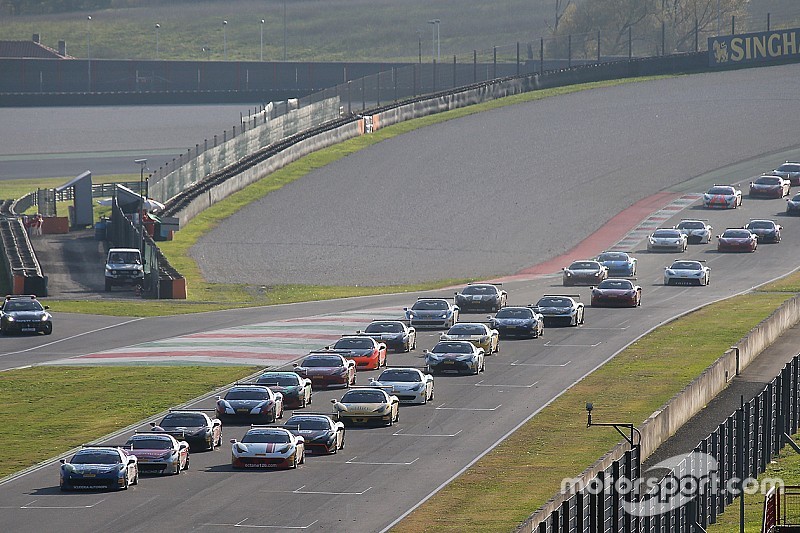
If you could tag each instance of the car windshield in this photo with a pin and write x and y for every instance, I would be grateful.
(266, 437)
(406, 376)
(183, 420)
(666, 233)
(691, 224)
(130, 258)
(686, 265)
(364, 396)
(761, 224)
(365, 343)
(789, 167)
(247, 394)
(452, 347)
(22, 305)
(322, 361)
(584, 265)
(95, 458)
(613, 256)
(150, 443)
(384, 327)
(307, 422)
(623, 284)
(554, 301)
(479, 289)
(282, 380)
(796, 198)
(720, 190)
(510, 312)
(736, 234)
(467, 329)
(431, 305)
(768, 180)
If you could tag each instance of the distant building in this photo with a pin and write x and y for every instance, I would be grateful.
(32, 49)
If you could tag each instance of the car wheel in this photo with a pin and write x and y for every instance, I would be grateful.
(477, 368)
(63, 487)
(430, 399)
(303, 457)
(310, 399)
(303, 401)
(177, 467)
(48, 328)
(108, 286)
(126, 483)
(294, 461)
(341, 444)
(186, 464)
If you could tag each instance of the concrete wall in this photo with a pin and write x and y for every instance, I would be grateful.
(664, 422)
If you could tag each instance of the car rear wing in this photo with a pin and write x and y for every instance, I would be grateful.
(210, 410)
(161, 431)
(387, 388)
(332, 416)
(576, 296)
(284, 426)
(126, 447)
(405, 367)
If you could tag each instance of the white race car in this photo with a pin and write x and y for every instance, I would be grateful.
(687, 272)
(268, 447)
(667, 240)
(159, 452)
(723, 197)
(696, 231)
(410, 385)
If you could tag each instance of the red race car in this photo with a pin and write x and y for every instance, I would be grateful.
(368, 353)
(737, 240)
(616, 293)
(769, 187)
(327, 368)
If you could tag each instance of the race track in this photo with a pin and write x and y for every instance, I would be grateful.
(499, 191)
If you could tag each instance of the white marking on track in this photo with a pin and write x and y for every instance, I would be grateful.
(482, 384)
(399, 433)
(301, 491)
(241, 523)
(32, 506)
(442, 407)
(571, 345)
(562, 365)
(354, 462)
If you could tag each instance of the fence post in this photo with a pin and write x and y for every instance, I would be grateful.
(494, 64)
(663, 38)
(569, 51)
(696, 35)
(768, 14)
(517, 58)
(349, 99)
(363, 93)
(454, 72)
(434, 75)
(630, 43)
(394, 78)
(733, 24)
(541, 55)
(474, 66)
(414, 72)
(379, 90)
(598, 46)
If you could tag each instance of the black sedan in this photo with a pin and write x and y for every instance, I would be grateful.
(24, 314)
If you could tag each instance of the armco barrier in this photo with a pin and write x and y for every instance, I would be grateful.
(678, 410)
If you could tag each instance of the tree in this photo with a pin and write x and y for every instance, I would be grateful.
(613, 19)
(680, 16)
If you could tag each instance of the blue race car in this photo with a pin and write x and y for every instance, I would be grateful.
(619, 264)
(96, 467)
(518, 322)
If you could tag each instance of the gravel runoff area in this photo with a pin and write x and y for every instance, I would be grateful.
(493, 193)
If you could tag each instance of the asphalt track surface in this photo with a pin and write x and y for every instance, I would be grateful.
(499, 191)
(43, 142)
(384, 471)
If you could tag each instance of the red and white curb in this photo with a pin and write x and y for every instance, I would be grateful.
(654, 221)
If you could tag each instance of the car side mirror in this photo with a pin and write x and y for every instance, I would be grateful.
(131, 461)
(62, 461)
(425, 352)
(295, 365)
(47, 307)
(233, 441)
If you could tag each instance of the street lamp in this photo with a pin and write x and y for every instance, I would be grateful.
(142, 163)
(158, 26)
(225, 39)
(262, 39)
(89, 50)
(437, 49)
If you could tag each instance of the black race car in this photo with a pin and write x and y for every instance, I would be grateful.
(193, 426)
(24, 314)
(322, 433)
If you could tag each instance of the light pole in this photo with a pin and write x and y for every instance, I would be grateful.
(284, 30)
(89, 50)
(142, 163)
(262, 39)
(436, 43)
(158, 26)
(225, 39)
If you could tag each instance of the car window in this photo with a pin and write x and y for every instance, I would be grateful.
(22, 305)
(452, 347)
(613, 256)
(430, 305)
(307, 422)
(407, 376)
(661, 233)
(354, 344)
(615, 284)
(686, 265)
(149, 443)
(761, 224)
(364, 396)
(247, 394)
(510, 312)
(266, 437)
(789, 167)
(584, 265)
(768, 180)
(479, 289)
(720, 190)
(183, 420)
(96, 458)
(552, 301)
(322, 361)
(384, 327)
(467, 329)
(282, 380)
(691, 225)
(736, 234)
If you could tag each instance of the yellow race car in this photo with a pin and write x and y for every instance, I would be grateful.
(477, 333)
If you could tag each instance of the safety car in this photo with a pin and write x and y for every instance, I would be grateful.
(368, 353)
(25, 314)
(94, 467)
(769, 187)
(517, 322)
(560, 308)
(481, 297)
(687, 272)
(296, 390)
(667, 240)
(696, 231)
(366, 405)
(789, 170)
(247, 400)
(395, 334)
(410, 385)
(619, 264)
(159, 452)
(192, 425)
(323, 433)
(737, 240)
(616, 293)
(722, 197)
(477, 333)
(439, 313)
(765, 230)
(327, 368)
(460, 357)
(586, 272)
(268, 447)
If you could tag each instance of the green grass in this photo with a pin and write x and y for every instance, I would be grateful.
(48, 410)
(526, 470)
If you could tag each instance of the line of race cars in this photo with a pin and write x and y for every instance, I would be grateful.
(461, 349)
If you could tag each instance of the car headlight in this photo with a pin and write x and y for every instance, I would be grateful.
(464, 358)
(381, 408)
(670, 272)
(434, 356)
(10, 318)
(567, 273)
(418, 387)
(239, 447)
(284, 449)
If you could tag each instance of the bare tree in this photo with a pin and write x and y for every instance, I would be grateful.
(684, 18)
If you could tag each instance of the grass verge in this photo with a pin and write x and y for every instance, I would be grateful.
(526, 470)
(48, 410)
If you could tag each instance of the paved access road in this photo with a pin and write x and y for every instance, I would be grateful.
(382, 472)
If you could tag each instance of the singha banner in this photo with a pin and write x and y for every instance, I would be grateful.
(761, 47)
